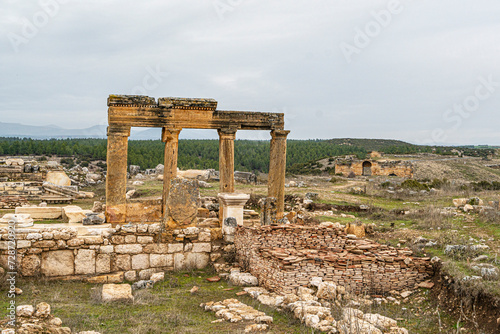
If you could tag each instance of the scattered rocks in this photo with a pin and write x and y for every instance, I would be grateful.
(232, 310)
(37, 319)
(143, 284)
(157, 277)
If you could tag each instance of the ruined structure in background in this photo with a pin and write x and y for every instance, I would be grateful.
(172, 115)
(371, 167)
(24, 179)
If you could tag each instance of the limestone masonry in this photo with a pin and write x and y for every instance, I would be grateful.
(111, 255)
(285, 257)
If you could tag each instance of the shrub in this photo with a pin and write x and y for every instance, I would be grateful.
(414, 185)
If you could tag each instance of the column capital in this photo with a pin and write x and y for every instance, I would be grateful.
(118, 130)
(279, 134)
(169, 134)
(227, 133)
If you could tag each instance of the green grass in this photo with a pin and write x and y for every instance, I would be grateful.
(167, 308)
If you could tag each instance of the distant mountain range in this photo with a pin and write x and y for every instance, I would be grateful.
(96, 131)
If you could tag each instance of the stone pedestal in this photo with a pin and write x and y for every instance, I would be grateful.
(233, 205)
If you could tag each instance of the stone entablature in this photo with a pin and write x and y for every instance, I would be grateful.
(127, 252)
(286, 257)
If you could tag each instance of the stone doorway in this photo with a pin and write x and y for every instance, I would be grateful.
(367, 168)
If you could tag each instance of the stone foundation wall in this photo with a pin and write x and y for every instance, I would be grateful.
(288, 256)
(110, 254)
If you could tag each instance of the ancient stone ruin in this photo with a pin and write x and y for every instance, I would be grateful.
(371, 167)
(173, 115)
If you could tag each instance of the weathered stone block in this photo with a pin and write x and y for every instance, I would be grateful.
(201, 247)
(197, 260)
(122, 262)
(44, 244)
(23, 244)
(106, 249)
(93, 240)
(128, 249)
(115, 278)
(130, 239)
(130, 276)
(30, 265)
(161, 260)
(175, 248)
(179, 261)
(58, 263)
(85, 262)
(75, 242)
(144, 239)
(103, 263)
(183, 201)
(156, 248)
(140, 261)
(142, 228)
(41, 212)
(117, 292)
(205, 236)
(146, 273)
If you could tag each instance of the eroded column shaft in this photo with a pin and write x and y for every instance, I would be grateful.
(171, 139)
(226, 160)
(277, 169)
(116, 176)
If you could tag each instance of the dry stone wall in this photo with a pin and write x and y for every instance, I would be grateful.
(110, 254)
(286, 257)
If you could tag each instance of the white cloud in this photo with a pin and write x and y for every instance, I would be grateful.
(260, 55)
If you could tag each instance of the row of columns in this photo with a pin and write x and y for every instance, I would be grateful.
(116, 182)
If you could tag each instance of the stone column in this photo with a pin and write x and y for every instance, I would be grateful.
(171, 139)
(226, 164)
(116, 176)
(277, 169)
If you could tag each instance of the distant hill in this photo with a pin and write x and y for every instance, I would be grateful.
(49, 131)
(97, 131)
(372, 144)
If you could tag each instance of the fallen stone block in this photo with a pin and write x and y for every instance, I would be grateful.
(41, 212)
(116, 293)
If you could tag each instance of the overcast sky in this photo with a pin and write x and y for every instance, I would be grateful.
(420, 71)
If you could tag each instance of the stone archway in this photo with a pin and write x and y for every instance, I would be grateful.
(367, 168)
